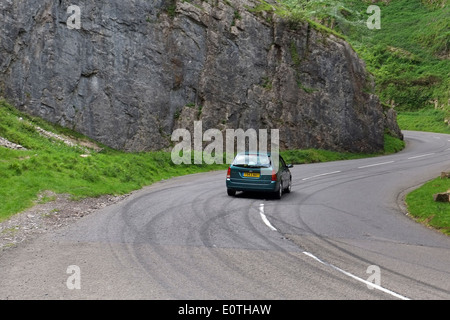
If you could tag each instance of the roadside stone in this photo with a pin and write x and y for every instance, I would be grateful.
(10, 145)
(442, 197)
(445, 175)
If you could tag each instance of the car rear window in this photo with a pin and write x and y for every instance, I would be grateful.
(252, 160)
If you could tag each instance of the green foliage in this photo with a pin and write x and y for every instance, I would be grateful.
(392, 145)
(317, 155)
(267, 83)
(52, 165)
(294, 54)
(430, 120)
(171, 8)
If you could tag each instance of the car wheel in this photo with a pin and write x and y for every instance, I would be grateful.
(231, 192)
(288, 189)
(279, 193)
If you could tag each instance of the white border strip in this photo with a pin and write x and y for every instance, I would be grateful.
(376, 164)
(375, 286)
(264, 218)
(320, 175)
(423, 155)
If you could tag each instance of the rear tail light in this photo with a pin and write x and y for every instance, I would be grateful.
(274, 175)
(229, 173)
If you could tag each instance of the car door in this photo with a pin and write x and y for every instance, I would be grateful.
(284, 172)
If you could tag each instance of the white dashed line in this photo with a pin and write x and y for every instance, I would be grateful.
(376, 164)
(320, 175)
(264, 218)
(368, 283)
(423, 155)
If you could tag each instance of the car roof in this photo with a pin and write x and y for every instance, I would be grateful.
(254, 152)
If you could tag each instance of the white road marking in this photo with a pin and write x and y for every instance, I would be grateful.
(320, 175)
(375, 286)
(376, 164)
(423, 155)
(264, 218)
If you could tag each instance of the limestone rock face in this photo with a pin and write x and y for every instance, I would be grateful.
(137, 70)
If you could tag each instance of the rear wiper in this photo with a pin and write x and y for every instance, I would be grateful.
(251, 166)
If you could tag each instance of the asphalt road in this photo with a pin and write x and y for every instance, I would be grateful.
(340, 230)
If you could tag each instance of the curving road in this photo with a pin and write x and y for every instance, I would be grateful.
(341, 229)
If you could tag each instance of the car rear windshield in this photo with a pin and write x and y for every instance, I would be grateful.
(252, 160)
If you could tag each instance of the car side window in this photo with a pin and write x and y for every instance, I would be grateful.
(283, 164)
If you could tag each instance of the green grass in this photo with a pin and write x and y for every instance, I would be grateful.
(430, 120)
(392, 145)
(52, 165)
(425, 210)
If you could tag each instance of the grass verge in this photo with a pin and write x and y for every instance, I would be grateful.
(391, 145)
(420, 203)
(49, 164)
(425, 210)
(429, 120)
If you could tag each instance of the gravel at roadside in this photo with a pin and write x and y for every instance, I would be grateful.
(50, 212)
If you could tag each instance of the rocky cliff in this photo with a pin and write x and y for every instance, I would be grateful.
(136, 70)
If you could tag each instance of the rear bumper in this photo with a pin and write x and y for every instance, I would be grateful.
(264, 187)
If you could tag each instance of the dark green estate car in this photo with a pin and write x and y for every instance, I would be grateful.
(255, 171)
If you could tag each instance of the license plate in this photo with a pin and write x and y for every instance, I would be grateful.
(251, 174)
